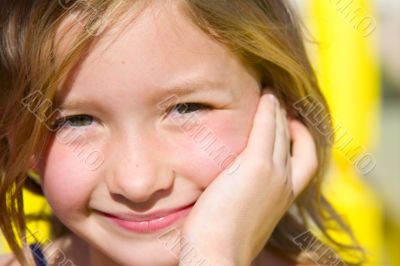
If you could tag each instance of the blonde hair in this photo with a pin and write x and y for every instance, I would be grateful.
(265, 35)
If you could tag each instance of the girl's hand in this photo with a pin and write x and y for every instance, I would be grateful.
(234, 217)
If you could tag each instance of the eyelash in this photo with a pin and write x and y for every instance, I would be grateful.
(69, 120)
(186, 106)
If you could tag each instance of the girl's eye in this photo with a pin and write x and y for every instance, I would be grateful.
(183, 108)
(73, 121)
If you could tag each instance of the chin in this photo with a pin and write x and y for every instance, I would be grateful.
(115, 249)
(156, 257)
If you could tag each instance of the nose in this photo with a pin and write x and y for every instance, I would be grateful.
(138, 169)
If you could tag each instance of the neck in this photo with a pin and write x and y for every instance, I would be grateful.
(67, 250)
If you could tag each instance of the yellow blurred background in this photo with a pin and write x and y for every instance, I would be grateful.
(354, 45)
(355, 48)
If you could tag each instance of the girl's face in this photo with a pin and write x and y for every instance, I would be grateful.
(128, 146)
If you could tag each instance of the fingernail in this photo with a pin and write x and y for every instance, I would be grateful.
(272, 98)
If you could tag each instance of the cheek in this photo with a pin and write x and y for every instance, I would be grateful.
(207, 148)
(66, 180)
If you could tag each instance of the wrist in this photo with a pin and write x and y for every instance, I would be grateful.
(192, 254)
(196, 257)
(196, 250)
(207, 260)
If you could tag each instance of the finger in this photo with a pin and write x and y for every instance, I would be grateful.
(304, 160)
(287, 134)
(282, 141)
(262, 135)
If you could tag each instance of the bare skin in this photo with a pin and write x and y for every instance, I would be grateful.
(75, 250)
(146, 163)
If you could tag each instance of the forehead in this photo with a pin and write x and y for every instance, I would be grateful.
(159, 48)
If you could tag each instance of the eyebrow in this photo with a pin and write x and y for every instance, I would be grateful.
(192, 86)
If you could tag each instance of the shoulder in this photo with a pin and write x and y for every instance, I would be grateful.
(52, 251)
(8, 260)
(48, 250)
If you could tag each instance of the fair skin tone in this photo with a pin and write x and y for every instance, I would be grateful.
(149, 163)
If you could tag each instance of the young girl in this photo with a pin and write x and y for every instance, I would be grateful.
(176, 132)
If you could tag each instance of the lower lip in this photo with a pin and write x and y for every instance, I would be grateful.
(151, 225)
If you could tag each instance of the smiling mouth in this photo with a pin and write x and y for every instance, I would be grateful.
(149, 223)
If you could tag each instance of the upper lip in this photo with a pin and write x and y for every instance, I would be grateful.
(134, 217)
